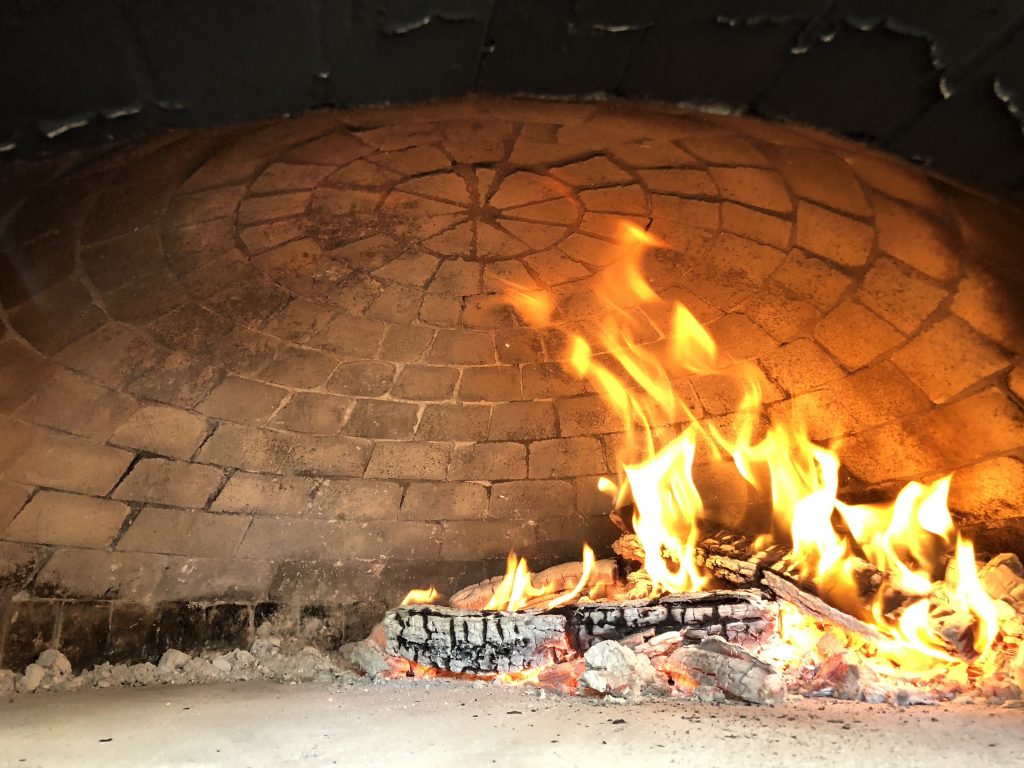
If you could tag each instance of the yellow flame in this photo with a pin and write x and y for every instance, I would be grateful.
(525, 677)
(667, 508)
(535, 307)
(518, 589)
(972, 598)
(906, 540)
(421, 597)
(691, 344)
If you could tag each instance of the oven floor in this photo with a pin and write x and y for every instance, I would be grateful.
(419, 724)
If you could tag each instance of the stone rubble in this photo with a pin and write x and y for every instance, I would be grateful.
(266, 661)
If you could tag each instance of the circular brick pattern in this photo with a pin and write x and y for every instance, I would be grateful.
(272, 362)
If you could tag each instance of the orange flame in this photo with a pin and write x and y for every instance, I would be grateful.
(517, 589)
(972, 597)
(587, 567)
(421, 597)
(535, 307)
(906, 540)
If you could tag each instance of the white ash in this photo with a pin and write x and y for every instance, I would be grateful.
(615, 670)
(368, 657)
(271, 658)
(714, 671)
(719, 665)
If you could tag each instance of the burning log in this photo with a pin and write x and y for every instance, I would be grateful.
(810, 604)
(473, 642)
(740, 616)
(561, 578)
(735, 559)
(482, 642)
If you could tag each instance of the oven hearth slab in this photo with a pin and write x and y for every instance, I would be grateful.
(430, 724)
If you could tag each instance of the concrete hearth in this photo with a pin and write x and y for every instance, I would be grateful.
(258, 724)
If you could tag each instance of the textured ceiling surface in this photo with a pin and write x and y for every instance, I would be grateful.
(941, 82)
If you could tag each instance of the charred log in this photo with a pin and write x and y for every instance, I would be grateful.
(741, 616)
(740, 560)
(483, 642)
(816, 607)
(474, 642)
(737, 560)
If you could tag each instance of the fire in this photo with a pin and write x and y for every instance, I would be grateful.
(421, 597)
(972, 597)
(517, 589)
(667, 508)
(904, 538)
(908, 541)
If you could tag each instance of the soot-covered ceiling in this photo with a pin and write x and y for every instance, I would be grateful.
(935, 80)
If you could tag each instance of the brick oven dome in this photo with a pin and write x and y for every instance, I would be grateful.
(270, 364)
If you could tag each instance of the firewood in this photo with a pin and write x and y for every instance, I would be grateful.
(475, 642)
(734, 559)
(629, 549)
(737, 559)
(482, 642)
(475, 596)
(814, 606)
(741, 616)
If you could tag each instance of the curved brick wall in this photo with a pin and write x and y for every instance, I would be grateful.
(266, 365)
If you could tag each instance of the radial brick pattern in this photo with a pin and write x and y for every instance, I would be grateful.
(270, 364)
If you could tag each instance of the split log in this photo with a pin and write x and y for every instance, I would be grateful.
(815, 606)
(730, 557)
(740, 616)
(484, 642)
(474, 642)
(735, 558)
